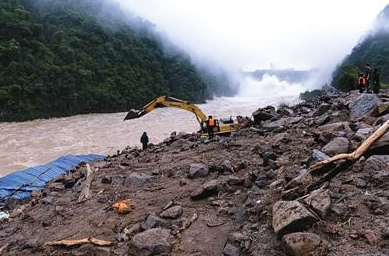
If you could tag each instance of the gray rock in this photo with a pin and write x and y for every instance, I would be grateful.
(321, 120)
(320, 202)
(363, 105)
(234, 180)
(291, 216)
(269, 155)
(302, 244)
(197, 171)
(172, 212)
(339, 126)
(47, 200)
(178, 143)
(231, 250)
(378, 168)
(117, 180)
(206, 190)
(281, 138)
(336, 146)
(324, 107)
(128, 232)
(227, 166)
(156, 241)
(383, 109)
(363, 133)
(138, 179)
(303, 179)
(361, 184)
(237, 237)
(32, 243)
(286, 122)
(339, 208)
(317, 156)
(152, 221)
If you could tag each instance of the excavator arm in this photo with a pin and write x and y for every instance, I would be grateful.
(165, 101)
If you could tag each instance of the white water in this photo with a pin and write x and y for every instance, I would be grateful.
(36, 142)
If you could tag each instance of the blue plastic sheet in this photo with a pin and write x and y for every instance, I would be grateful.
(22, 183)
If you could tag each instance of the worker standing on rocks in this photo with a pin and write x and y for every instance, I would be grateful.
(376, 81)
(144, 139)
(368, 77)
(361, 83)
(211, 123)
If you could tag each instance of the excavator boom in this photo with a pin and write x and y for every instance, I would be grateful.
(165, 101)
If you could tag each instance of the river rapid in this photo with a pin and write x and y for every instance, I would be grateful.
(27, 144)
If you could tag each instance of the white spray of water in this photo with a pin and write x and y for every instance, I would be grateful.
(269, 86)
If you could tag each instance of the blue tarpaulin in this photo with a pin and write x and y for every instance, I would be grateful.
(21, 183)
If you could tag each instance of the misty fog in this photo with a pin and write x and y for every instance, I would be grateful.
(249, 35)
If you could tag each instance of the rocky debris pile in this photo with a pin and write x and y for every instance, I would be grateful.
(192, 196)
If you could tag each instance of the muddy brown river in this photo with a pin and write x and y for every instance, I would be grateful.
(27, 144)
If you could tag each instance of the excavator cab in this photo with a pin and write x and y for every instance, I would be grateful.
(223, 126)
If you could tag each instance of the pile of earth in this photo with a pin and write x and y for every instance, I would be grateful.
(192, 196)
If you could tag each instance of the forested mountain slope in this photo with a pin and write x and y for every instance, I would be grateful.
(373, 49)
(66, 57)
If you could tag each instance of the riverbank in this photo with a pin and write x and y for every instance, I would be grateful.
(190, 196)
(36, 142)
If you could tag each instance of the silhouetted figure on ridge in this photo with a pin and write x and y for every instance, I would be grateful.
(144, 139)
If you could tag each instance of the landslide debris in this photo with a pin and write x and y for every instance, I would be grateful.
(192, 196)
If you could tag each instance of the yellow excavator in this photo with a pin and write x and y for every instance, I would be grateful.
(223, 126)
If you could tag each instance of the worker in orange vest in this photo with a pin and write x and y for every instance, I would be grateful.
(211, 123)
(362, 83)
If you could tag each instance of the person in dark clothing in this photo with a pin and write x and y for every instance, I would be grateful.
(144, 139)
(211, 123)
(376, 81)
(361, 83)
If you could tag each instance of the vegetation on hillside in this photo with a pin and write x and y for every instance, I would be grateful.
(374, 49)
(66, 57)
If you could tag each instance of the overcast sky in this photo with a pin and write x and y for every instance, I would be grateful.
(249, 34)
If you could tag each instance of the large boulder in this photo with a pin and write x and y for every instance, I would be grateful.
(336, 146)
(320, 201)
(377, 168)
(264, 114)
(156, 241)
(364, 104)
(291, 216)
(304, 244)
(197, 171)
(321, 109)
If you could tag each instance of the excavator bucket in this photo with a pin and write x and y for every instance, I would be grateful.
(132, 114)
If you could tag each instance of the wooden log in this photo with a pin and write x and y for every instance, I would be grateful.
(85, 193)
(88, 240)
(354, 156)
